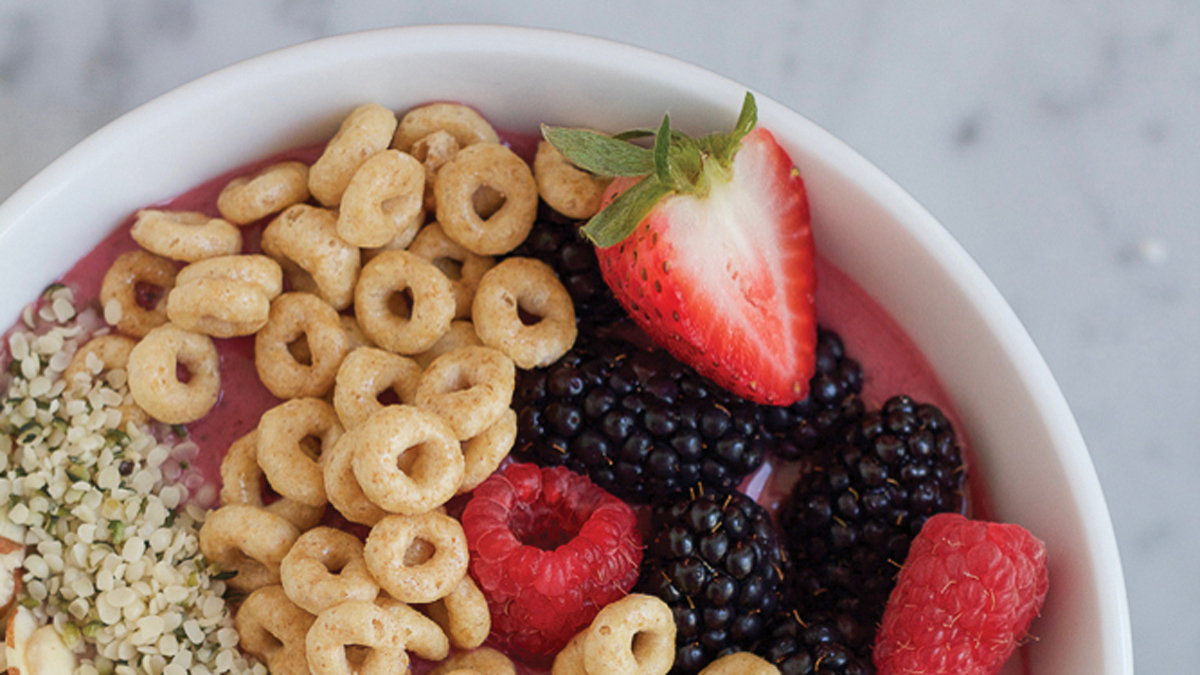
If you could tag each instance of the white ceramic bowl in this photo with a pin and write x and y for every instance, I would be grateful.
(1027, 443)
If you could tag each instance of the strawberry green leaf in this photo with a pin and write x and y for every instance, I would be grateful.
(662, 153)
(622, 216)
(600, 154)
(633, 134)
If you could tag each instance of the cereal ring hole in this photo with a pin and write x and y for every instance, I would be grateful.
(148, 295)
(311, 447)
(300, 350)
(400, 303)
(487, 200)
(182, 372)
(414, 463)
(389, 397)
(643, 644)
(419, 552)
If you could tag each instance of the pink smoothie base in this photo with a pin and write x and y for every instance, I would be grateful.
(891, 361)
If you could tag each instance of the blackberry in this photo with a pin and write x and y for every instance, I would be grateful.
(639, 423)
(813, 644)
(854, 512)
(555, 240)
(832, 402)
(716, 561)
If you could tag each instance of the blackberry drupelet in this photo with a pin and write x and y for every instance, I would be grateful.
(555, 240)
(854, 512)
(715, 559)
(831, 405)
(639, 423)
(800, 645)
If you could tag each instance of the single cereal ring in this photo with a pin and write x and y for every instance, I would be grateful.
(632, 636)
(426, 581)
(470, 388)
(494, 166)
(525, 284)
(433, 151)
(294, 316)
(384, 281)
(185, 235)
(153, 375)
(461, 334)
(463, 123)
(325, 567)
(274, 629)
(257, 270)
(483, 453)
(383, 201)
(463, 268)
(360, 624)
(246, 199)
(242, 483)
(463, 615)
(110, 352)
(407, 460)
(248, 540)
(132, 276)
(569, 661)
(481, 661)
(341, 485)
(566, 188)
(304, 241)
(221, 308)
(289, 460)
(418, 632)
(365, 374)
(366, 131)
(740, 663)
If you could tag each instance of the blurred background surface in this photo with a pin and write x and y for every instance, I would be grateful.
(1058, 142)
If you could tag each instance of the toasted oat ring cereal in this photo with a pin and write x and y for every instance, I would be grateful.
(153, 375)
(185, 235)
(356, 623)
(494, 166)
(304, 241)
(463, 615)
(461, 334)
(569, 661)
(383, 282)
(632, 636)
(109, 352)
(483, 453)
(259, 271)
(422, 582)
(341, 485)
(290, 461)
(242, 483)
(463, 268)
(418, 632)
(407, 460)
(481, 661)
(121, 285)
(566, 188)
(273, 628)
(463, 123)
(248, 540)
(296, 315)
(740, 663)
(325, 567)
(249, 198)
(470, 388)
(433, 151)
(530, 285)
(366, 131)
(384, 200)
(365, 374)
(221, 308)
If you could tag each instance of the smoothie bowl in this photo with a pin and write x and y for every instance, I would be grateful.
(908, 303)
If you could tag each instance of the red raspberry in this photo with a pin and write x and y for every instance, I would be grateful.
(964, 598)
(549, 549)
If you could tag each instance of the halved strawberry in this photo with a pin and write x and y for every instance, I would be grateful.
(708, 245)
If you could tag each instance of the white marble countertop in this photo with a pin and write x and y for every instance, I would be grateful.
(1058, 142)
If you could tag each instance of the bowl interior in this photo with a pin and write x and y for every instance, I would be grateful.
(1028, 447)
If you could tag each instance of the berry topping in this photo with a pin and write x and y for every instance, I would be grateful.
(549, 550)
(799, 645)
(639, 423)
(711, 252)
(716, 561)
(964, 598)
(854, 512)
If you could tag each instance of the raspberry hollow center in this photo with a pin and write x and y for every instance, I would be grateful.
(543, 527)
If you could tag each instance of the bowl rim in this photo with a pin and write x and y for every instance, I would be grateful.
(1000, 319)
